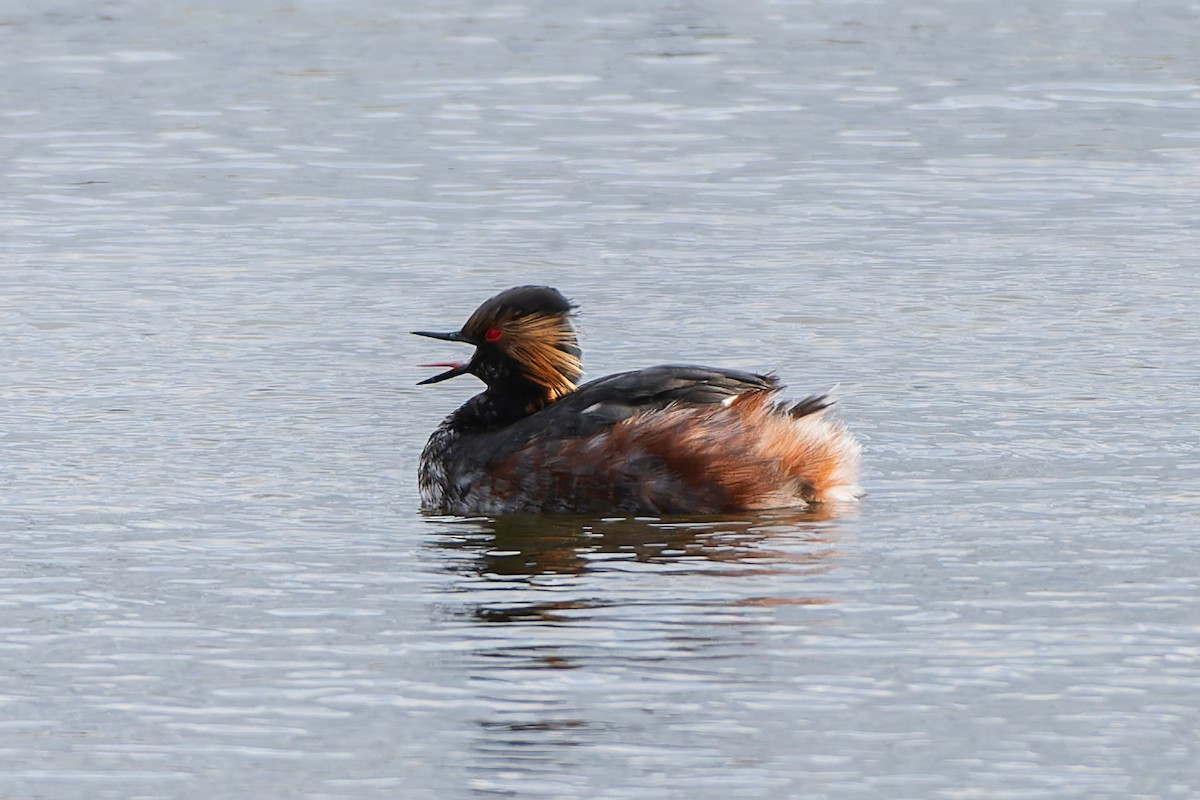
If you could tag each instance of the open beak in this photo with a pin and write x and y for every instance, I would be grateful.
(456, 367)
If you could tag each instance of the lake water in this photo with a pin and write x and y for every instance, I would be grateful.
(221, 220)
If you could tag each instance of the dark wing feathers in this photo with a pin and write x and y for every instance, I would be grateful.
(657, 387)
(809, 405)
(602, 403)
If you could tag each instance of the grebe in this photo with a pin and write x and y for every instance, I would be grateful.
(665, 440)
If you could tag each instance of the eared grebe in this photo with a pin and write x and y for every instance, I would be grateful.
(663, 440)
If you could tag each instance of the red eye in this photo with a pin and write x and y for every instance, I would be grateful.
(493, 335)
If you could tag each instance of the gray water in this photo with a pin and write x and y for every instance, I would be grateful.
(220, 221)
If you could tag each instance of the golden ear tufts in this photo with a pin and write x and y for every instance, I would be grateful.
(546, 348)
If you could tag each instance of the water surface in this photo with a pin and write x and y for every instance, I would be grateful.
(220, 222)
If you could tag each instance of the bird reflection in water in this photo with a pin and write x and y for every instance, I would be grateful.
(531, 552)
(645, 614)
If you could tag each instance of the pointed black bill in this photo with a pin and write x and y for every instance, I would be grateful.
(456, 369)
(456, 336)
(461, 369)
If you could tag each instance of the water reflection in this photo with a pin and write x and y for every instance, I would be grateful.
(532, 545)
(651, 615)
(558, 569)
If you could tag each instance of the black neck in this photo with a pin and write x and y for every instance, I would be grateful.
(495, 409)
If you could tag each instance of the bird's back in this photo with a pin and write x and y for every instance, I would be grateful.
(671, 439)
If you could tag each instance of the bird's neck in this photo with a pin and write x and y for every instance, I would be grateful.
(499, 407)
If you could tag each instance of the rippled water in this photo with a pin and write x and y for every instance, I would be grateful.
(221, 220)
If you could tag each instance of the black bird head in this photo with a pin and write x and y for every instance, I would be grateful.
(524, 343)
